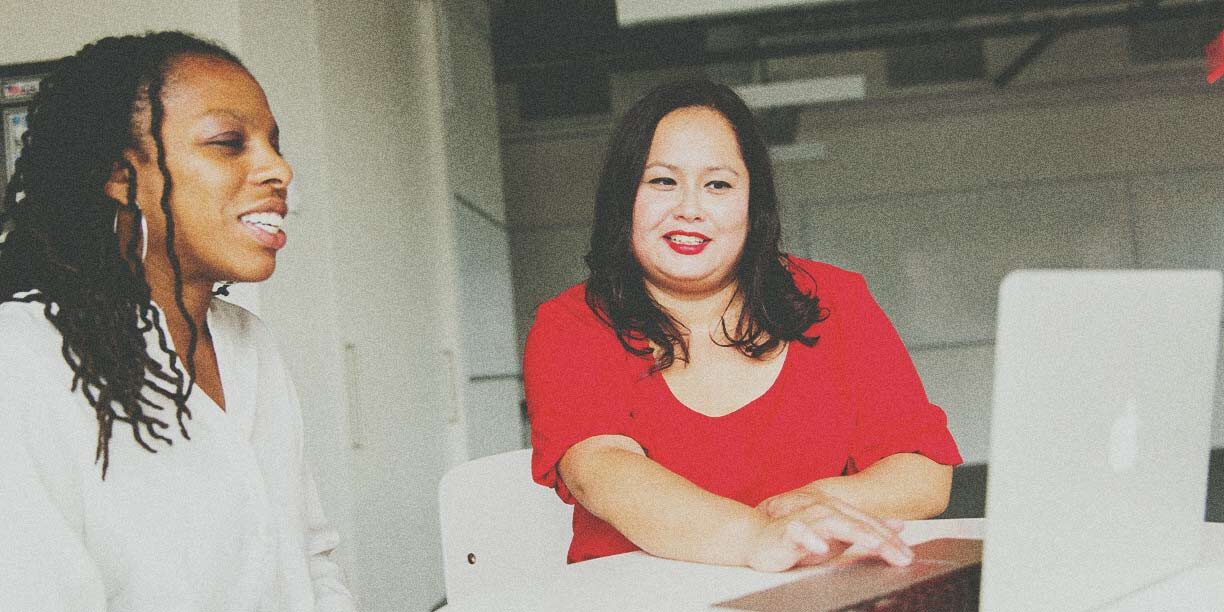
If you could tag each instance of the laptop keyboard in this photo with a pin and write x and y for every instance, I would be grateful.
(944, 577)
(955, 591)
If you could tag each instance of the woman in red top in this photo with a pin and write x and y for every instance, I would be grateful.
(704, 397)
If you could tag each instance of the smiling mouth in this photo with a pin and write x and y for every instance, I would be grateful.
(687, 240)
(269, 222)
(686, 243)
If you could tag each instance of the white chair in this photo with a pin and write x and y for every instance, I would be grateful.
(499, 528)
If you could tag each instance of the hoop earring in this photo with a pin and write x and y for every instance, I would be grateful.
(144, 233)
(144, 238)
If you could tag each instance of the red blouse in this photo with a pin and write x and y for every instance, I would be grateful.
(835, 408)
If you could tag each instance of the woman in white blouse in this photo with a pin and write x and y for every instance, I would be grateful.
(150, 439)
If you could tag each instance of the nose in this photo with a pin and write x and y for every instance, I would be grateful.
(689, 207)
(273, 168)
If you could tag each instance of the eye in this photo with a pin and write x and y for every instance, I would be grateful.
(665, 181)
(229, 140)
(718, 185)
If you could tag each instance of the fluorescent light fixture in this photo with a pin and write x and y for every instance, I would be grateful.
(633, 12)
(803, 92)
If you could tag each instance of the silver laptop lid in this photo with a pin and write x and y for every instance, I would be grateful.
(1100, 433)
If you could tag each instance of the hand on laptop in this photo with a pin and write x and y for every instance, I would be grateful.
(807, 528)
(790, 502)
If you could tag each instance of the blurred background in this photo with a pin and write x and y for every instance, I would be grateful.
(447, 151)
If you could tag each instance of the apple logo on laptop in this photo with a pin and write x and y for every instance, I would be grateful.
(1124, 439)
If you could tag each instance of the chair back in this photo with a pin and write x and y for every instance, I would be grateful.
(499, 528)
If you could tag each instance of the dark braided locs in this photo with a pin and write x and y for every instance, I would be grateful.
(59, 247)
(157, 114)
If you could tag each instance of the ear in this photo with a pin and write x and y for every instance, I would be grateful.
(116, 187)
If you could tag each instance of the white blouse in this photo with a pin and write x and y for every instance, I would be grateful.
(226, 521)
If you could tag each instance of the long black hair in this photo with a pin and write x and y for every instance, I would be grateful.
(773, 310)
(60, 247)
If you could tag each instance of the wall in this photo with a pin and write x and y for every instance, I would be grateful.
(943, 206)
(934, 193)
(60, 27)
(486, 361)
(383, 144)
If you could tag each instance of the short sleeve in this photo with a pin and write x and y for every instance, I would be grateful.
(577, 378)
(893, 414)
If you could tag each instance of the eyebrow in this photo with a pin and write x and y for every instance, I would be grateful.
(224, 112)
(675, 168)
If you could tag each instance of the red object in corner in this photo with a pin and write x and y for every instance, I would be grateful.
(1215, 58)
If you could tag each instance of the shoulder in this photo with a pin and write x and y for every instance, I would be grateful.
(569, 308)
(250, 333)
(24, 317)
(27, 333)
(566, 323)
(35, 380)
(238, 321)
(820, 278)
(232, 314)
(256, 351)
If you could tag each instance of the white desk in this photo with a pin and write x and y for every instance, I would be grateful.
(637, 581)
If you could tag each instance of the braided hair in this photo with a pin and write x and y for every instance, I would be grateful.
(59, 245)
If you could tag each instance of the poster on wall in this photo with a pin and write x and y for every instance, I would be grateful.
(15, 94)
(19, 89)
(14, 127)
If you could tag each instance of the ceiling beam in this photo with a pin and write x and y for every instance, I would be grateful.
(637, 12)
(673, 46)
(1025, 58)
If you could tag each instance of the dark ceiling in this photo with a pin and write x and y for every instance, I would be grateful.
(534, 37)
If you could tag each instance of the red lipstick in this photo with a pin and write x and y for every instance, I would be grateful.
(686, 243)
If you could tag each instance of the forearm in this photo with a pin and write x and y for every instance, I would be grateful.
(659, 511)
(904, 486)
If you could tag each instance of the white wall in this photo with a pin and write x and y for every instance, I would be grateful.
(381, 119)
(935, 193)
(53, 28)
(488, 385)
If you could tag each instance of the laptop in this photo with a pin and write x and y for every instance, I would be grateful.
(1100, 437)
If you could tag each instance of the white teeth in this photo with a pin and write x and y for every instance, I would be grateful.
(682, 239)
(267, 221)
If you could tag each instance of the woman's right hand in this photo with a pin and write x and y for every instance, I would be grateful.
(821, 531)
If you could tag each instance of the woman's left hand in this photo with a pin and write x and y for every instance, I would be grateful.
(790, 502)
(903, 485)
(815, 508)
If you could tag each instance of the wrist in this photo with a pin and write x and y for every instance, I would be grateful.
(828, 487)
(749, 534)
